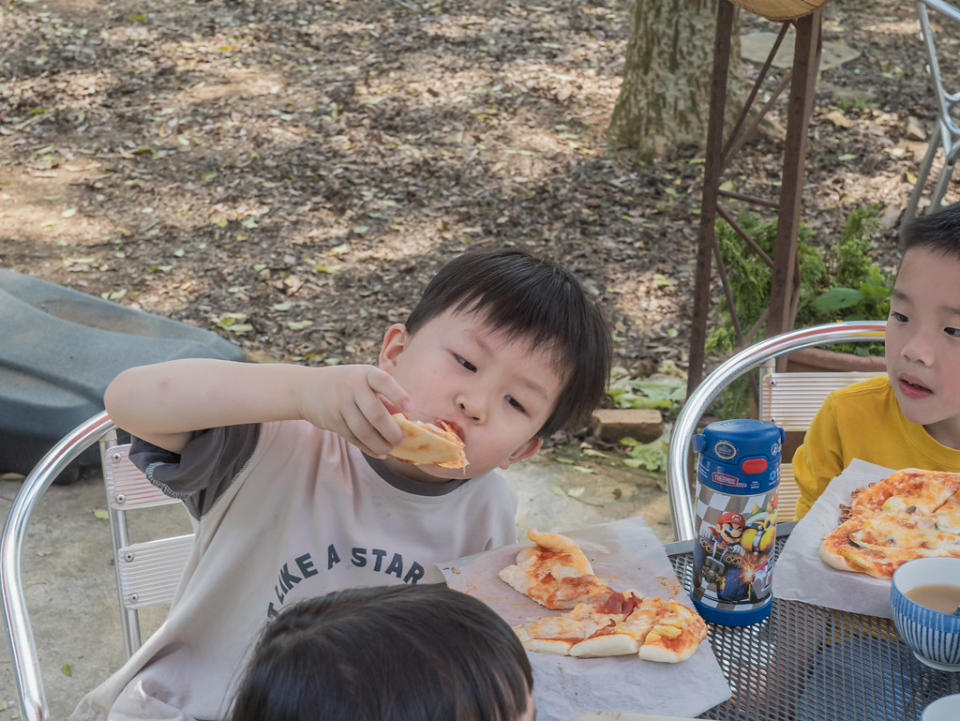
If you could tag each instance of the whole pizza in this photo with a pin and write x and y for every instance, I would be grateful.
(910, 514)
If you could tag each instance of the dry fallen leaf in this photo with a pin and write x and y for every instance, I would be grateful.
(839, 119)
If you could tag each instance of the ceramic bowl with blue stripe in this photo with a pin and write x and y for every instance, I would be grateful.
(933, 636)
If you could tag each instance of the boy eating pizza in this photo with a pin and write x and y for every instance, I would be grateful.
(909, 418)
(287, 471)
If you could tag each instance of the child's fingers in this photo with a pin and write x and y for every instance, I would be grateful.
(392, 393)
(363, 434)
(376, 411)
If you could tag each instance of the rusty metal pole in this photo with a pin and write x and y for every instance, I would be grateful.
(806, 60)
(713, 167)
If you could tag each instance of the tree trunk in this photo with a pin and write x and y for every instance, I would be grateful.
(665, 96)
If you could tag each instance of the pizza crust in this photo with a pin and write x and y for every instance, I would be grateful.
(831, 558)
(614, 644)
(664, 655)
(542, 645)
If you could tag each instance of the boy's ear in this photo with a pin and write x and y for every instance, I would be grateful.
(394, 341)
(525, 451)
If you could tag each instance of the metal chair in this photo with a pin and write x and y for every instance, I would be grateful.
(946, 134)
(678, 455)
(147, 573)
(791, 400)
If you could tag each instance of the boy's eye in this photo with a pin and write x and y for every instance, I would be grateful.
(465, 363)
(516, 404)
(898, 316)
(955, 332)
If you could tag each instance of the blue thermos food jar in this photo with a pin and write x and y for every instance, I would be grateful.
(733, 553)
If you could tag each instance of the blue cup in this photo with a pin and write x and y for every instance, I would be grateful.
(933, 636)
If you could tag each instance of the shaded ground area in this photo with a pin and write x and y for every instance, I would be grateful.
(290, 173)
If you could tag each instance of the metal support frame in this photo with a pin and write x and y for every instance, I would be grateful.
(26, 664)
(784, 283)
(120, 532)
(946, 133)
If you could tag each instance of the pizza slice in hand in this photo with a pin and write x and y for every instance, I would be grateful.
(424, 443)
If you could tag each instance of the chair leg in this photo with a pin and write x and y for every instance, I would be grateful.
(911, 212)
(941, 187)
(130, 623)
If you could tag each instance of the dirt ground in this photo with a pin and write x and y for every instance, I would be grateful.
(289, 174)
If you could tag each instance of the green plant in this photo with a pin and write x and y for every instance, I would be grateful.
(651, 456)
(662, 391)
(838, 281)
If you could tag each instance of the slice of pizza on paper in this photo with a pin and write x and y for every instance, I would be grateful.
(555, 572)
(604, 622)
(909, 514)
(675, 636)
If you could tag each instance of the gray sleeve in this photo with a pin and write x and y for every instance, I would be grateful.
(204, 470)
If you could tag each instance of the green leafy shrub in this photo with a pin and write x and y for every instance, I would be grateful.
(660, 391)
(838, 281)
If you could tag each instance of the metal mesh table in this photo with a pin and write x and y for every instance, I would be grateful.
(809, 663)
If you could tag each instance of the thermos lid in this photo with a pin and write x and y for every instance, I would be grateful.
(729, 441)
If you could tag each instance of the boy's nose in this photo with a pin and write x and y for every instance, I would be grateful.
(472, 409)
(918, 350)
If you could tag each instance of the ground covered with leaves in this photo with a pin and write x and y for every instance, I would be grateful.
(290, 173)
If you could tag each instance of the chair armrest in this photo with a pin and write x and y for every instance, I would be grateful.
(26, 667)
(678, 476)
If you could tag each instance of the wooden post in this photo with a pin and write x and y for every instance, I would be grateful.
(781, 312)
(783, 287)
(713, 166)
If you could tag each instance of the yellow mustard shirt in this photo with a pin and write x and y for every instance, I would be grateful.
(863, 421)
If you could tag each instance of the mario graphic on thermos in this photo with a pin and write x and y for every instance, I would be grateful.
(738, 474)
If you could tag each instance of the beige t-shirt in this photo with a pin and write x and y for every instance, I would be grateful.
(306, 514)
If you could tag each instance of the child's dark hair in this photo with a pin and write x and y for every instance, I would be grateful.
(396, 653)
(939, 232)
(530, 298)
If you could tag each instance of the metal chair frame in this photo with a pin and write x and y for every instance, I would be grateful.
(791, 400)
(147, 573)
(678, 455)
(946, 133)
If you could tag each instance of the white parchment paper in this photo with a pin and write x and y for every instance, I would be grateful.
(625, 555)
(800, 573)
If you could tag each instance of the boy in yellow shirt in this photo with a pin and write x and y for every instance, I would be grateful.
(911, 417)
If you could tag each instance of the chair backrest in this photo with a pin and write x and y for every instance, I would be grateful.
(791, 400)
(678, 455)
(147, 572)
